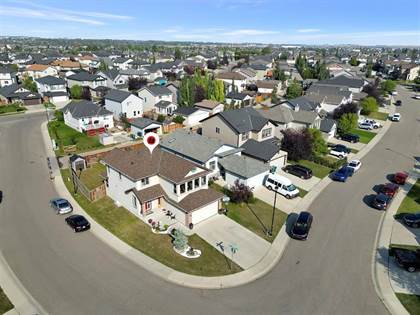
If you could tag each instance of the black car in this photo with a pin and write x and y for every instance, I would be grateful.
(349, 137)
(407, 258)
(78, 223)
(342, 148)
(398, 103)
(381, 201)
(412, 219)
(299, 170)
(302, 225)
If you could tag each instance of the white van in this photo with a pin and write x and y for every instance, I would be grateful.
(282, 185)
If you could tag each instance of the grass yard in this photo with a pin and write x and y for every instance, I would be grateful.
(5, 304)
(378, 116)
(91, 176)
(318, 170)
(255, 216)
(411, 202)
(411, 302)
(137, 234)
(365, 136)
(13, 108)
(302, 192)
(65, 136)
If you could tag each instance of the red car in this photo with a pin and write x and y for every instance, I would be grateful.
(400, 178)
(390, 189)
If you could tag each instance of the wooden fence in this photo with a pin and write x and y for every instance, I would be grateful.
(80, 187)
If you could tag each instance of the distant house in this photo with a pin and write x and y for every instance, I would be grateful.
(153, 94)
(53, 89)
(123, 103)
(410, 72)
(165, 108)
(238, 99)
(7, 76)
(39, 71)
(86, 79)
(192, 115)
(141, 126)
(353, 84)
(85, 116)
(267, 86)
(328, 127)
(329, 96)
(122, 63)
(112, 78)
(17, 93)
(302, 103)
(63, 66)
(234, 81)
(213, 107)
(175, 92)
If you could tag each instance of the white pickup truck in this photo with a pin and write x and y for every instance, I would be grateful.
(374, 123)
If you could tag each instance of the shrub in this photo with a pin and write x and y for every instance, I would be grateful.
(369, 105)
(328, 162)
(76, 92)
(161, 118)
(347, 122)
(319, 145)
(345, 109)
(297, 143)
(241, 192)
(178, 119)
(59, 115)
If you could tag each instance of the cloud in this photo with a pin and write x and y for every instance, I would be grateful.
(308, 30)
(235, 4)
(248, 32)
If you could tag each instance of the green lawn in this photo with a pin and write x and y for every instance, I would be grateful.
(378, 115)
(255, 216)
(5, 304)
(365, 136)
(411, 202)
(13, 108)
(91, 176)
(65, 136)
(136, 233)
(411, 302)
(302, 192)
(318, 170)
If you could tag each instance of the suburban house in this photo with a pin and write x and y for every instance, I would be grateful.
(302, 103)
(267, 151)
(165, 108)
(328, 128)
(153, 94)
(63, 66)
(39, 71)
(87, 116)
(354, 85)
(234, 81)
(175, 92)
(239, 99)
(260, 70)
(213, 107)
(141, 126)
(199, 149)
(410, 72)
(7, 76)
(267, 87)
(17, 93)
(112, 78)
(53, 89)
(122, 63)
(86, 79)
(329, 97)
(123, 103)
(192, 115)
(144, 183)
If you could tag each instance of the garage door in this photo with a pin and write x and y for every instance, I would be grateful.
(205, 212)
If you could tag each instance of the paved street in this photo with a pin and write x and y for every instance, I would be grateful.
(71, 273)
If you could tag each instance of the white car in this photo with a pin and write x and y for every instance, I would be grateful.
(394, 93)
(340, 151)
(374, 123)
(355, 165)
(396, 117)
(365, 125)
(417, 96)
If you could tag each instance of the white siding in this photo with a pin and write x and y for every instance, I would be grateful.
(205, 212)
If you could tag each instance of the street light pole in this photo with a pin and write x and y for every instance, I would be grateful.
(270, 232)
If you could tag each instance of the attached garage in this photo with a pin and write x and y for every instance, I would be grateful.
(205, 212)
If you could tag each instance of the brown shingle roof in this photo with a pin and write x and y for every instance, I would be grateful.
(199, 199)
(209, 104)
(150, 193)
(66, 63)
(138, 164)
(230, 76)
(36, 67)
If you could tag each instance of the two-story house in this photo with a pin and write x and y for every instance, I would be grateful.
(353, 84)
(329, 96)
(153, 94)
(86, 79)
(17, 93)
(144, 183)
(53, 89)
(234, 81)
(87, 116)
(123, 103)
(39, 71)
(213, 107)
(7, 76)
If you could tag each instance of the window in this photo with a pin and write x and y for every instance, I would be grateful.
(134, 113)
(145, 181)
(148, 205)
(203, 180)
(182, 188)
(245, 136)
(196, 182)
(189, 185)
(217, 130)
(175, 189)
(212, 165)
(134, 202)
(266, 133)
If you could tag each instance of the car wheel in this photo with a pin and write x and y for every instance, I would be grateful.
(303, 177)
(415, 225)
(288, 196)
(411, 269)
(270, 188)
(75, 230)
(340, 156)
(376, 127)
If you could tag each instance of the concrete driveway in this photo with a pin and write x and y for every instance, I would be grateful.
(357, 146)
(219, 228)
(306, 184)
(402, 234)
(282, 203)
(403, 281)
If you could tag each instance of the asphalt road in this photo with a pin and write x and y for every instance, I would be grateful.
(71, 273)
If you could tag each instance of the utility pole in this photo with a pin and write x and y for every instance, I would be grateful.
(270, 232)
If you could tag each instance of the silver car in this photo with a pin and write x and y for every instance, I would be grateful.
(61, 206)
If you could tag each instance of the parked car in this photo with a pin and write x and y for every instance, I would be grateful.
(78, 223)
(373, 122)
(340, 151)
(396, 117)
(61, 206)
(298, 170)
(381, 201)
(349, 137)
(394, 93)
(398, 103)
(400, 178)
(412, 219)
(302, 225)
(417, 96)
(342, 174)
(282, 185)
(407, 258)
(355, 165)
(390, 189)
(365, 125)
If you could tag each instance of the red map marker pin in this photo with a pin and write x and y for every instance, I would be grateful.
(151, 141)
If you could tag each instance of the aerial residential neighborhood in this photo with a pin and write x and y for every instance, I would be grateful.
(214, 157)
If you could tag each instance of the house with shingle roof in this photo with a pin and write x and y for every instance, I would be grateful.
(353, 84)
(86, 115)
(329, 96)
(53, 89)
(234, 81)
(213, 107)
(17, 93)
(124, 103)
(38, 71)
(145, 182)
(7, 75)
(153, 94)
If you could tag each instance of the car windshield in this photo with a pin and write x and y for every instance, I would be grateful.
(291, 187)
(301, 225)
(354, 164)
(80, 220)
(380, 200)
(63, 204)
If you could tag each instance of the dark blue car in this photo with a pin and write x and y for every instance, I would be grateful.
(342, 174)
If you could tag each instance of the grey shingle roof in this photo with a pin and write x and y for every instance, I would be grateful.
(117, 95)
(50, 80)
(143, 122)
(303, 103)
(163, 104)
(237, 96)
(157, 90)
(84, 76)
(279, 114)
(327, 124)
(185, 111)
(83, 109)
(244, 119)
(343, 80)
(304, 116)
(242, 166)
(264, 150)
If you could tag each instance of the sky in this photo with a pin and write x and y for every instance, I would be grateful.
(367, 22)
